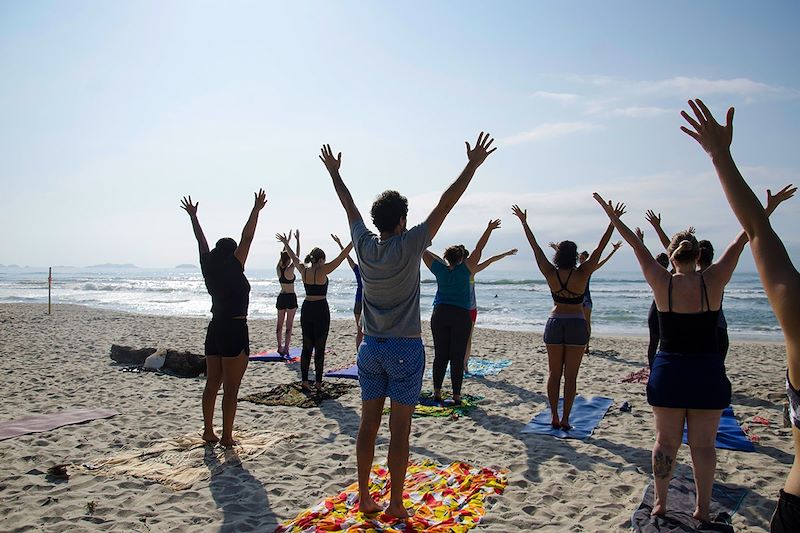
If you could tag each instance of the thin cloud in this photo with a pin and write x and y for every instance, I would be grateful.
(548, 131)
(564, 98)
(638, 112)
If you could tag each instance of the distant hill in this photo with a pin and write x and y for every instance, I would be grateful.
(186, 266)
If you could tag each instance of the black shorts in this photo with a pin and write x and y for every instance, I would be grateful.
(227, 337)
(286, 300)
(569, 330)
(787, 514)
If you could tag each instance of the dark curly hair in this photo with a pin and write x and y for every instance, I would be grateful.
(706, 252)
(455, 254)
(567, 255)
(387, 210)
(689, 254)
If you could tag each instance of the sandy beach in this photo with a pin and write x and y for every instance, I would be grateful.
(60, 361)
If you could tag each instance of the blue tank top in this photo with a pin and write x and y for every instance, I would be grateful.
(453, 286)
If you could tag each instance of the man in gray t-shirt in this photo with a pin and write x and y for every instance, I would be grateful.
(391, 360)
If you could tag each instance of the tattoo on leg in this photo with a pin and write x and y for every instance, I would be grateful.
(662, 465)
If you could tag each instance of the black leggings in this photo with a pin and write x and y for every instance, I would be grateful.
(315, 321)
(652, 325)
(451, 326)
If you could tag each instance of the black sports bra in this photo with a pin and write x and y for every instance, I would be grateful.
(557, 298)
(282, 278)
(314, 289)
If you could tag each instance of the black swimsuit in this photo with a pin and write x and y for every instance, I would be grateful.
(557, 298)
(688, 371)
(286, 300)
(315, 321)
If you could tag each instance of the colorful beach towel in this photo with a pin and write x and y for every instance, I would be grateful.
(444, 498)
(585, 415)
(180, 462)
(427, 406)
(479, 367)
(293, 395)
(274, 356)
(730, 435)
(725, 502)
(347, 372)
(42, 423)
(640, 376)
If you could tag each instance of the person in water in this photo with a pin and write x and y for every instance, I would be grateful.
(227, 345)
(315, 315)
(587, 296)
(778, 275)
(451, 322)
(286, 303)
(566, 333)
(391, 360)
(357, 306)
(473, 301)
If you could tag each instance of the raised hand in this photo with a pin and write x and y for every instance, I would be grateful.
(330, 162)
(336, 239)
(639, 233)
(493, 224)
(512, 251)
(520, 214)
(260, 200)
(189, 207)
(774, 200)
(712, 136)
(653, 219)
(296, 234)
(478, 155)
(608, 207)
(617, 245)
(691, 230)
(282, 238)
(554, 246)
(619, 209)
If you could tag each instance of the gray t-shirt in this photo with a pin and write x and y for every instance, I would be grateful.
(390, 274)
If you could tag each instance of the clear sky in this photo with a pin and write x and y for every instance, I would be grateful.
(111, 111)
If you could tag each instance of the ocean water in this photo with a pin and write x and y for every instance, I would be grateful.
(506, 300)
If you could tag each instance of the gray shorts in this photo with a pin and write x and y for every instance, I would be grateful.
(567, 329)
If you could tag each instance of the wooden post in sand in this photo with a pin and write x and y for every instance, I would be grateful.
(49, 284)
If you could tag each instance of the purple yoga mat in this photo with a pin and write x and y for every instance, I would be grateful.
(275, 356)
(351, 372)
(40, 423)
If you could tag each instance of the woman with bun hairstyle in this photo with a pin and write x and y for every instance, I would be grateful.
(286, 303)
(566, 332)
(315, 316)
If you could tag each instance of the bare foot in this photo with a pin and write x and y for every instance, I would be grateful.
(703, 517)
(210, 437)
(555, 423)
(228, 442)
(318, 386)
(368, 506)
(659, 510)
(565, 425)
(307, 387)
(397, 511)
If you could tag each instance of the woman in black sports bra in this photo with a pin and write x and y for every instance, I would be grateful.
(227, 346)
(687, 383)
(286, 303)
(315, 316)
(778, 275)
(565, 334)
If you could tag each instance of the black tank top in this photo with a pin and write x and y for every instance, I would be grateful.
(689, 333)
(282, 278)
(559, 299)
(227, 285)
(314, 289)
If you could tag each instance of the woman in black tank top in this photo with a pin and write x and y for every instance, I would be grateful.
(315, 316)
(687, 383)
(227, 346)
(286, 303)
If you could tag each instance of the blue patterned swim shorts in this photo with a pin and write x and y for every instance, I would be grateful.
(391, 366)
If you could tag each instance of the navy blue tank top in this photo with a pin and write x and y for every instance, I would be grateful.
(689, 333)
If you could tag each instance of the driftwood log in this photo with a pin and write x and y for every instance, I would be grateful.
(182, 364)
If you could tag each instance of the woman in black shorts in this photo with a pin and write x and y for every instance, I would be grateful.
(227, 345)
(315, 315)
(565, 334)
(687, 383)
(287, 299)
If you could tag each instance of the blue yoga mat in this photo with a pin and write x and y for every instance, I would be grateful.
(351, 372)
(273, 356)
(585, 415)
(729, 435)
